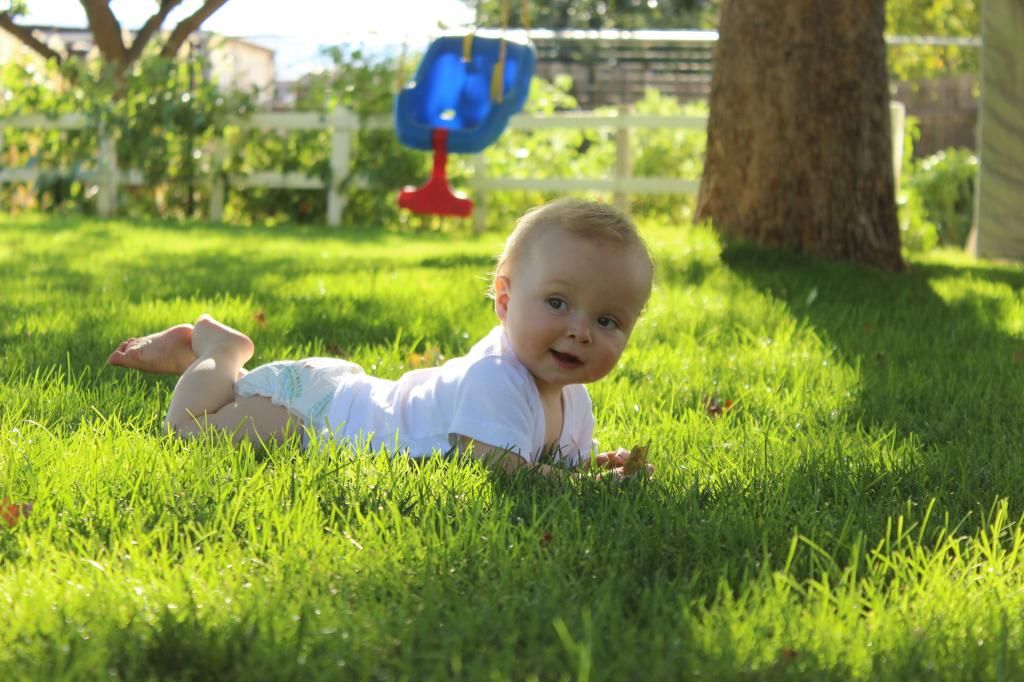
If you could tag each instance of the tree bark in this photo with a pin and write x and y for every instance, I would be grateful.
(28, 39)
(151, 26)
(106, 31)
(799, 154)
(187, 25)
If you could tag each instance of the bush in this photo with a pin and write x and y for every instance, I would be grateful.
(28, 87)
(590, 153)
(674, 153)
(936, 198)
(917, 233)
(164, 118)
(945, 182)
(168, 117)
(379, 164)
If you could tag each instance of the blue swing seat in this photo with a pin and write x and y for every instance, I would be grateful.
(455, 95)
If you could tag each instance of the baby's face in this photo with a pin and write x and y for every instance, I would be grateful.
(569, 306)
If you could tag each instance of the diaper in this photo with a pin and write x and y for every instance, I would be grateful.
(304, 387)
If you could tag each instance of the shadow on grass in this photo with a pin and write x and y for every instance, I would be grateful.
(90, 228)
(944, 371)
(223, 269)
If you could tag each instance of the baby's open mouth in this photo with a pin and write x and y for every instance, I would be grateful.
(566, 360)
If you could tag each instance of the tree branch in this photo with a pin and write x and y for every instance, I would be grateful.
(25, 36)
(151, 26)
(189, 24)
(106, 31)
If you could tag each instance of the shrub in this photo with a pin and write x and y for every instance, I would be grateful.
(945, 182)
(379, 164)
(164, 117)
(675, 153)
(575, 153)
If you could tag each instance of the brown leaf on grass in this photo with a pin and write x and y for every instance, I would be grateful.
(1018, 357)
(715, 406)
(260, 317)
(787, 656)
(430, 357)
(336, 351)
(637, 461)
(545, 539)
(11, 513)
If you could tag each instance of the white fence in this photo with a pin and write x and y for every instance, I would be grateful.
(344, 126)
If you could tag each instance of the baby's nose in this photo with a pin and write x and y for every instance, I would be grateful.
(579, 331)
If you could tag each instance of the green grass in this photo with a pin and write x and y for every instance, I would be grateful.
(857, 514)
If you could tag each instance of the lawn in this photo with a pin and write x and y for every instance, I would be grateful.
(855, 514)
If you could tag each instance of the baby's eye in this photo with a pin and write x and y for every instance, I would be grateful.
(608, 322)
(556, 303)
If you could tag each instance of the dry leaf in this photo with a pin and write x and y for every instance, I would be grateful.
(428, 358)
(715, 407)
(1018, 357)
(637, 461)
(11, 513)
(260, 317)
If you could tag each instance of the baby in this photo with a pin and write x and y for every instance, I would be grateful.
(568, 289)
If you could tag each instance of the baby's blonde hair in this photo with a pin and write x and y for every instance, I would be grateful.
(586, 219)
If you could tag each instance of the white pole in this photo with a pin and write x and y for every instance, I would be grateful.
(479, 193)
(218, 191)
(108, 176)
(343, 128)
(623, 162)
(897, 120)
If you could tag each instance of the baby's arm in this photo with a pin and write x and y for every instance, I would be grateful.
(504, 460)
(621, 463)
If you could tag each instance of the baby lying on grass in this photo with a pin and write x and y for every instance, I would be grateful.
(568, 289)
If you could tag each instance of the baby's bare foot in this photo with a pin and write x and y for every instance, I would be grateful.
(166, 352)
(210, 336)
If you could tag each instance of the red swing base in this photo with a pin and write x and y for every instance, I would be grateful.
(436, 196)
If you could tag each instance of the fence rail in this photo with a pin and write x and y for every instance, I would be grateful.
(344, 126)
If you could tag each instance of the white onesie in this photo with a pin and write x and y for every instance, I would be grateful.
(487, 395)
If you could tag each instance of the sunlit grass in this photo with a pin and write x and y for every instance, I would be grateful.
(855, 514)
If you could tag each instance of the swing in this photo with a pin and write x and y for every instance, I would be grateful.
(464, 92)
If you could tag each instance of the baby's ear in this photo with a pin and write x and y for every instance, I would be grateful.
(501, 287)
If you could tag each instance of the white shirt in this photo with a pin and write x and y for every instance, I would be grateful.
(487, 395)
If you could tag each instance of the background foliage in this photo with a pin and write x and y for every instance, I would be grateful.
(168, 114)
(953, 18)
(598, 14)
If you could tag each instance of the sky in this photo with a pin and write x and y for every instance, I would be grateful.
(295, 29)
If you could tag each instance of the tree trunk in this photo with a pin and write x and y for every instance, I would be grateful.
(799, 154)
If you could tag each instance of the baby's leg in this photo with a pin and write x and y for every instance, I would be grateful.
(208, 384)
(256, 419)
(165, 352)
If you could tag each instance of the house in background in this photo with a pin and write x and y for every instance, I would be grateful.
(235, 63)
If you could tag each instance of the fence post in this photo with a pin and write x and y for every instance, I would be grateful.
(480, 194)
(623, 162)
(343, 128)
(218, 190)
(106, 200)
(897, 119)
